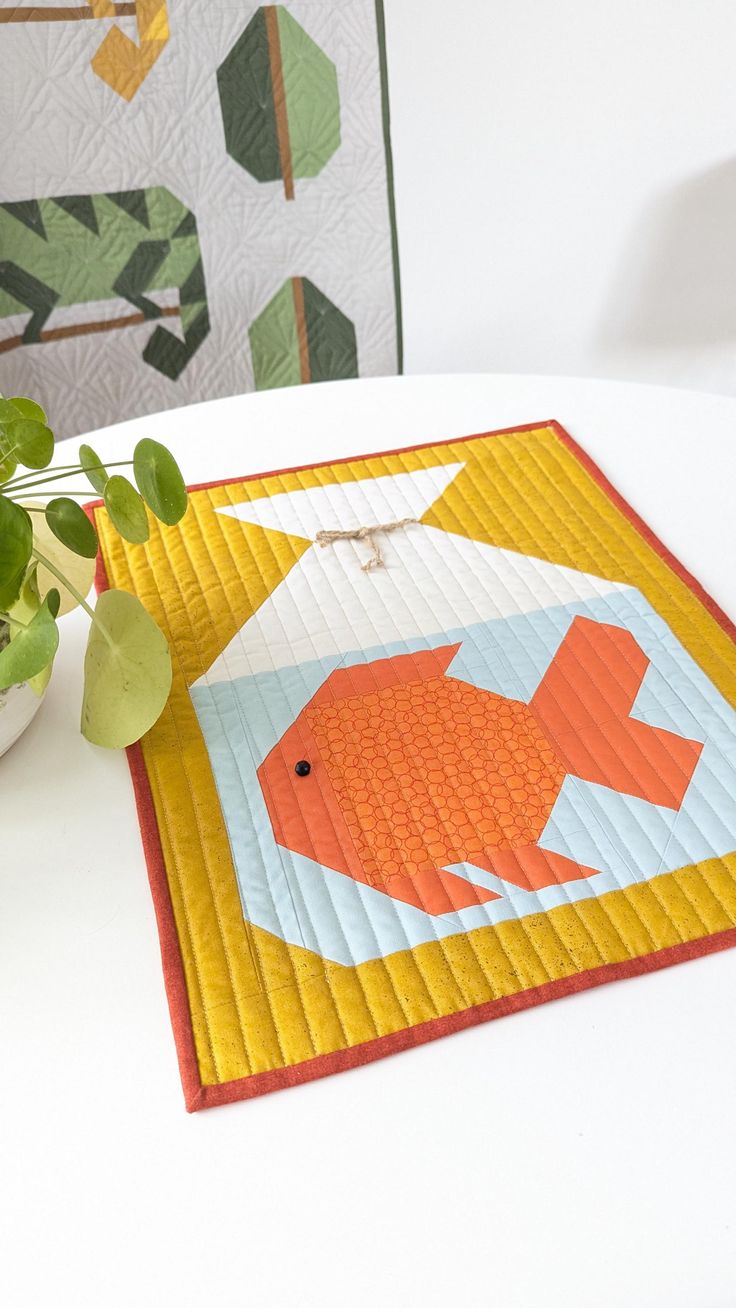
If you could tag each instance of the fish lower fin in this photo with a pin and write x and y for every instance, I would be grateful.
(534, 868)
(437, 891)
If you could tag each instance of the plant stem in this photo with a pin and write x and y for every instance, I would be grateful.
(66, 470)
(72, 591)
(19, 499)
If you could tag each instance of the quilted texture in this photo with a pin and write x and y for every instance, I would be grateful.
(385, 804)
(196, 201)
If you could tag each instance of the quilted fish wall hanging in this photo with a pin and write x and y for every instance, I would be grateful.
(200, 202)
(451, 734)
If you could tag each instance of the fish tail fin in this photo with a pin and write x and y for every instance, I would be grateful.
(583, 706)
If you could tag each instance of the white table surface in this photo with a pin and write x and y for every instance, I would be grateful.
(579, 1154)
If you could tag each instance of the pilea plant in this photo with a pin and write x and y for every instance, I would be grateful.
(48, 546)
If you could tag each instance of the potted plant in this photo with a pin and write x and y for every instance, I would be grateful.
(48, 546)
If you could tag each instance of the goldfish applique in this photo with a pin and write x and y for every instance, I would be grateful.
(407, 770)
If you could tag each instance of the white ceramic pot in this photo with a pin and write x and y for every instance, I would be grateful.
(18, 706)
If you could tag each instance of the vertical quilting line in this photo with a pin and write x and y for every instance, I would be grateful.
(162, 815)
(636, 879)
(637, 786)
(286, 851)
(380, 953)
(202, 540)
(268, 543)
(593, 812)
(710, 892)
(238, 766)
(705, 765)
(692, 904)
(176, 589)
(265, 881)
(510, 492)
(251, 942)
(507, 493)
(315, 657)
(317, 933)
(509, 557)
(508, 554)
(336, 916)
(320, 959)
(574, 904)
(615, 563)
(250, 939)
(401, 929)
(527, 934)
(518, 491)
(585, 797)
(431, 923)
(441, 940)
(267, 990)
(562, 456)
(390, 510)
(381, 956)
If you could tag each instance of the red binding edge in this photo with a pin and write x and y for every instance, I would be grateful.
(198, 1095)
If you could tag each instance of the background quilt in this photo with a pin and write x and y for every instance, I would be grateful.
(386, 802)
(196, 201)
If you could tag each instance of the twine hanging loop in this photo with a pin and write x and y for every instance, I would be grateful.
(366, 533)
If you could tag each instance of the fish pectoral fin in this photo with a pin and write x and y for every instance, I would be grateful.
(534, 868)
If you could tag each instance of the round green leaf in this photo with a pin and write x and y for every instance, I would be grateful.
(127, 510)
(159, 481)
(16, 540)
(127, 672)
(77, 570)
(29, 601)
(8, 462)
(32, 442)
(70, 524)
(31, 647)
(28, 408)
(8, 412)
(96, 471)
(23, 611)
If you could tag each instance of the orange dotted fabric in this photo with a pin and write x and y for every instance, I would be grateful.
(435, 772)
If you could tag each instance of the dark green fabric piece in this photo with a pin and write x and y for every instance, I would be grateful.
(246, 97)
(80, 207)
(138, 274)
(133, 203)
(27, 212)
(29, 291)
(187, 226)
(333, 349)
(168, 354)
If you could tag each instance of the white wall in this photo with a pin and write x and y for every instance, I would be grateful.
(566, 186)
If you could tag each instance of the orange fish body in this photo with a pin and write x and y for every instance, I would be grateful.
(412, 770)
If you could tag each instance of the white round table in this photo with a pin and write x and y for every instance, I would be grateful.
(579, 1153)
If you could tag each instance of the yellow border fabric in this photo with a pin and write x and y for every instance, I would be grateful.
(258, 1003)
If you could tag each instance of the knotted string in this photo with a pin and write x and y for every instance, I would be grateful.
(365, 533)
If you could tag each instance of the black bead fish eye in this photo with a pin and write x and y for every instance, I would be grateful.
(302, 768)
